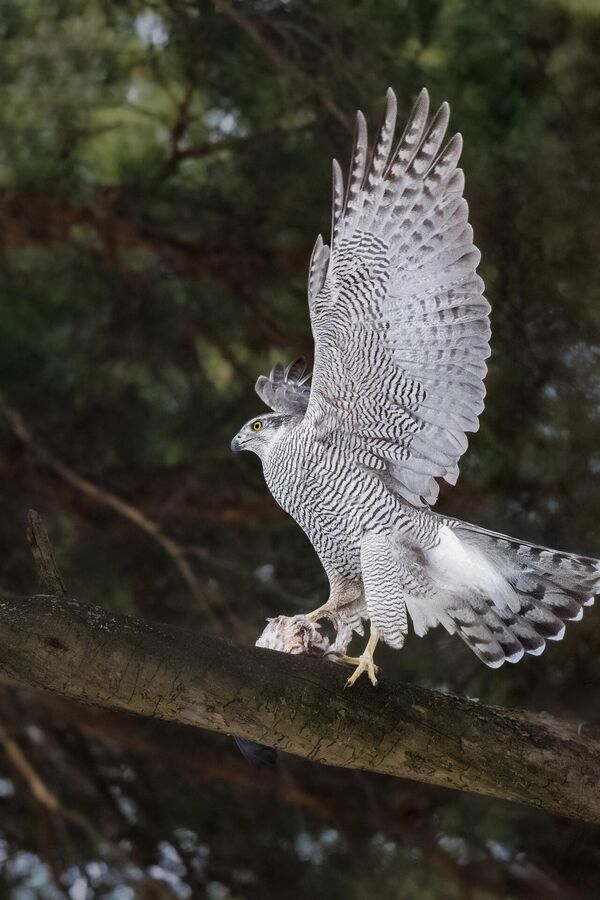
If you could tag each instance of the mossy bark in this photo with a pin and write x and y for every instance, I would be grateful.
(299, 705)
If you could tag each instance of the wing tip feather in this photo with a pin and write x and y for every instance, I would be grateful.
(422, 96)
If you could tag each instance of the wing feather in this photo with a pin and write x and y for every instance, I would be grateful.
(400, 324)
(286, 390)
(317, 269)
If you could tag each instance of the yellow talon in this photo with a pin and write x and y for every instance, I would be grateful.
(344, 660)
(365, 662)
(364, 665)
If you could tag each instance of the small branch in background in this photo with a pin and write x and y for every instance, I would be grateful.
(278, 59)
(44, 796)
(234, 142)
(238, 268)
(227, 565)
(105, 498)
(49, 578)
(178, 130)
(35, 784)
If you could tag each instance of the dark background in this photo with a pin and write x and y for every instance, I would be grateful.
(164, 171)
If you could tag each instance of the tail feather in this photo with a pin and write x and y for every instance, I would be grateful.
(505, 597)
(499, 635)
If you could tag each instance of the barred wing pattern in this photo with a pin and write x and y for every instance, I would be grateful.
(400, 325)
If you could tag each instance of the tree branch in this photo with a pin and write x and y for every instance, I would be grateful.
(299, 705)
(278, 59)
(50, 579)
(44, 796)
(103, 498)
(109, 214)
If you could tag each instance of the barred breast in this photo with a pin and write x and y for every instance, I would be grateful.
(332, 498)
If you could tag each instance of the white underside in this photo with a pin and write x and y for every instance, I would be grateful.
(455, 567)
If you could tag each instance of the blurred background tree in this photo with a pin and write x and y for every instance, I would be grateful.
(164, 170)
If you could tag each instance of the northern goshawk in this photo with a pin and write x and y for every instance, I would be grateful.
(401, 333)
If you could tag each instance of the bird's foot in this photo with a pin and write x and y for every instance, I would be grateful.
(363, 663)
(343, 629)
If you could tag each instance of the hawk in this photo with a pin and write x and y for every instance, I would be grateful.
(353, 452)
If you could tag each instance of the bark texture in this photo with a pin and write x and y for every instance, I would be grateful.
(299, 705)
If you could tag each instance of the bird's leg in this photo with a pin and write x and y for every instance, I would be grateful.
(323, 612)
(345, 660)
(342, 611)
(364, 663)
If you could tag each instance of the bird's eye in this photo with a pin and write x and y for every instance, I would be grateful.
(256, 426)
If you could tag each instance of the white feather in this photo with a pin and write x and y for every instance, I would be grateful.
(456, 567)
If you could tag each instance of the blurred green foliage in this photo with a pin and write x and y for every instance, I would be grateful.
(164, 171)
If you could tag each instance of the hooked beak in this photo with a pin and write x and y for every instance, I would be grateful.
(236, 444)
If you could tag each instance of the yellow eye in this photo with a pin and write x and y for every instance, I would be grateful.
(256, 426)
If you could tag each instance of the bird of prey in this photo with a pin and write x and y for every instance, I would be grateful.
(401, 334)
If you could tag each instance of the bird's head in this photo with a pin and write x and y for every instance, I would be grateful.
(261, 433)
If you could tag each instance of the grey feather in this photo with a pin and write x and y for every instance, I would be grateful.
(545, 589)
(286, 390)
(401, 290)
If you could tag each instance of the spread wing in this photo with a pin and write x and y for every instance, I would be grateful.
(400, 325)
(286, 390)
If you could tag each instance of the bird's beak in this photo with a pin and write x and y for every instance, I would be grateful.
(236, 445)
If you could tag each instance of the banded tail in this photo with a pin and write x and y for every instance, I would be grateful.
(505, 597)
